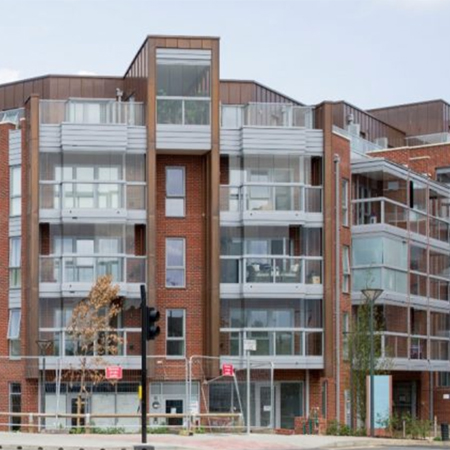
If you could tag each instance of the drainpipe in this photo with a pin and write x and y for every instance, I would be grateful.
(337, 344)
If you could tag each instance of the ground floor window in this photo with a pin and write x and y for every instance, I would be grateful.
(15, 405)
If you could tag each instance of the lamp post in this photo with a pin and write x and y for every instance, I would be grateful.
(44, 345)
(371, 295)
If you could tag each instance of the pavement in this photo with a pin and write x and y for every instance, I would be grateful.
(30, 441)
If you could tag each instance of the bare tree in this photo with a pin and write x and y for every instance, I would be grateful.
(94, 336)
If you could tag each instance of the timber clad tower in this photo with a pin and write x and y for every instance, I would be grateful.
(248, 215)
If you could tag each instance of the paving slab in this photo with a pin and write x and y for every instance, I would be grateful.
(31, 441)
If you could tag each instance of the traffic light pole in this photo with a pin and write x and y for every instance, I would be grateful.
(144, 365)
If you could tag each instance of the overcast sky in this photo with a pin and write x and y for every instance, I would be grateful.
(368, 52)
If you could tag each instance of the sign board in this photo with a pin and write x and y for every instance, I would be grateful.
(227, 370)
(382, 399)
(250, 345)
(446, 396)
(113, 373)
(194, 408)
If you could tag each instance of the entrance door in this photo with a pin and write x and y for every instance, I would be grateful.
(174, 407)
(405, 398)
(265, 407)
(291, 403)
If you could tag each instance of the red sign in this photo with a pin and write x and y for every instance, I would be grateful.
(113, 373)
(227, 370)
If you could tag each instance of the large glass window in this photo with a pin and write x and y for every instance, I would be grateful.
(176, 332)
(15, 191)
(183, 92)
(175, 263)
(14, 262)
(175, 191)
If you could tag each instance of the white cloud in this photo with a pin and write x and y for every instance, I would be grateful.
(86, 73)
(8, 75)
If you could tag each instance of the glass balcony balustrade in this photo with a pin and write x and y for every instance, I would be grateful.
(183, 110)
(92, 111)
(271, 198)
(271, 269)
(266, 115)
(122, 342)
(401, 345)
(273, 341)
(384, 211)
(87, 268)
(91, 195)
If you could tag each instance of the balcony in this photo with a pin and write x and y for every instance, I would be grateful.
(283, 201)
(126, 353)
(381, 210)
(91, 198)
(78, 273)
(183, 110)
(91, 111)
(286, 347)
(411, 352)
(267, 115)
(261, 275)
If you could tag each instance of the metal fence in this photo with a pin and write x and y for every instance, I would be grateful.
(73, 394)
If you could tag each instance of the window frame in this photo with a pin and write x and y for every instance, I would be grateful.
(183, 267)
(174, 338)
(345, 336)
(176, 197)
(13, 195)
(15, 267)
(346, 271)
(345, 184)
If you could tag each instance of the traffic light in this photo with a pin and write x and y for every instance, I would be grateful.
(152, 329)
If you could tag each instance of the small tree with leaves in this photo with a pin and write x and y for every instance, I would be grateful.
(94, 336)
(359, 346)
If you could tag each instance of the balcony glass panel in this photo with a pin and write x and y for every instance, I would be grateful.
(395, 346)
(418, 349)
(91, 111)
(440, 350)
(439, 289)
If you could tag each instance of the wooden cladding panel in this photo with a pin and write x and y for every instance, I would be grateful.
(418, 118)
(372, 127)
(14, 95)
(242, 92)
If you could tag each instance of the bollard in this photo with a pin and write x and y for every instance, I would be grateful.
(30, 423)
(87, 423)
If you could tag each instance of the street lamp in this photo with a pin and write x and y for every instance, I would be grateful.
(44, 346)
(371, 295)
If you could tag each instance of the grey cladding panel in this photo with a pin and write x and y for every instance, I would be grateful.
(93, 137)
(15, 296)
(15, 147)
(137, 139)
(184, 138)
(50, 138)
(15, 226)
(230, 141)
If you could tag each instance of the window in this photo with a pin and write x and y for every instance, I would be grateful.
(14, 332)
(444, 379)
(345, 269)
(345, 336)
(15, 190)
(175, 192)
(344, 201)
(175, 263)
(15, 405)
(176, 332)
(14, 262)
(324, 398)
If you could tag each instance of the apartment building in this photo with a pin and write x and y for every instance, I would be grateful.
(248, 215)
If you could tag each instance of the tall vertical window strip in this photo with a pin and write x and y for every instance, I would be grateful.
(14, 262)
(345, 336)
(175, 192)
(15, 190)
(345, 269)
(13, 334)
(344, 201)
(15, 405)
(176, 332)
(175, 263)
